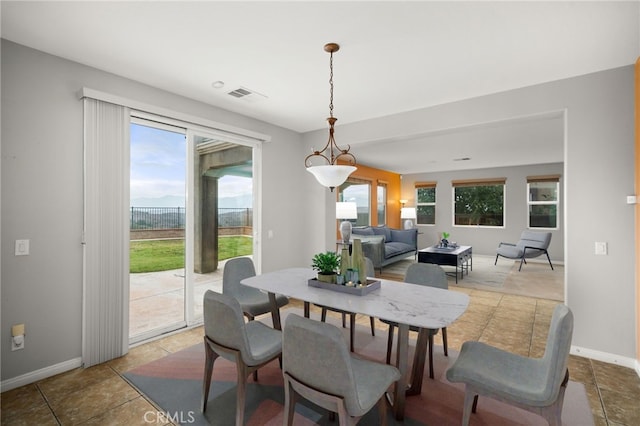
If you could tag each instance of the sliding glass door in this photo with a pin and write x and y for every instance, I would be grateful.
(191, 209)
(220, 210)
(157, 228)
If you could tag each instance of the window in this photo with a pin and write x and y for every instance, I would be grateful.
(543, 201)
(479, 202)
(426, 203)
(382, 202)
(358, 191)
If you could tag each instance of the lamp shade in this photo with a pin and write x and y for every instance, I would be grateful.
(331, 176)
(346, 210)
(408, 213)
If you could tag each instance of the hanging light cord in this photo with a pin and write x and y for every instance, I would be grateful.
(331, 143)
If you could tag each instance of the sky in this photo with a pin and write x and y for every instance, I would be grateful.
(158, 167)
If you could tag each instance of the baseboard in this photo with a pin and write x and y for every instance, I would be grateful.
(41, 374)
(607, 357)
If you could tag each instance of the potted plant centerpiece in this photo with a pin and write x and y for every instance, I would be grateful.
(327, 265)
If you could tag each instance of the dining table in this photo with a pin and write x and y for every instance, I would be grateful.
(406, 304)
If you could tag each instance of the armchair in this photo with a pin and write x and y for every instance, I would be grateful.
(532, 244)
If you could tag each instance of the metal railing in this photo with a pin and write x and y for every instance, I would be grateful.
(174, 217)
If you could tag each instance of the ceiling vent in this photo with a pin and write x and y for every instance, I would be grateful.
(246, 94)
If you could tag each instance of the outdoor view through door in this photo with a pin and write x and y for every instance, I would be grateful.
(179, 243)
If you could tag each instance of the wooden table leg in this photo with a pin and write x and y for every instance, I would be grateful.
(419, 358)
(400, 387)
(275, 312)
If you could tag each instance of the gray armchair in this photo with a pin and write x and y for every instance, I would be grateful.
(431, 275)
(532, 244)
(249, 345)
(253, 301)
(317, 366)
(534, 384)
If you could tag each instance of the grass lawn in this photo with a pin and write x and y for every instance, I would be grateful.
(163, 255)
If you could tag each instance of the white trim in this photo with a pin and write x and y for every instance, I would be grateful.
(40, 374)
(606, 357)
(230, 131)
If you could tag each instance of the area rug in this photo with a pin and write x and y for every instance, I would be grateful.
(484, 272)
(174, 385)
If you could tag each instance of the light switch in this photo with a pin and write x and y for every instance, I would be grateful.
(22, 247)
(601, 248)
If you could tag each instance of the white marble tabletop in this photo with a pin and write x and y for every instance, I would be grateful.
(404, 303)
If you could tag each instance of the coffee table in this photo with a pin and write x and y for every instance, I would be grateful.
(460, 257)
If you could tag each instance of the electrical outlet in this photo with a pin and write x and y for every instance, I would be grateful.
(17, 343)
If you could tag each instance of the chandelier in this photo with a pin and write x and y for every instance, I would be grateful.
(329, 173)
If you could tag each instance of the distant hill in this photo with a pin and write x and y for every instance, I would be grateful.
(241, 201)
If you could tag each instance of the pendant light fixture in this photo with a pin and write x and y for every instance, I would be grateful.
(329, 173)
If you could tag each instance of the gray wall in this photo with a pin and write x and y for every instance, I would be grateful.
(42, 197)
(598, 175)
(485, 240)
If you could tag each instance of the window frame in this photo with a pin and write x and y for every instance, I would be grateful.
(381, 205)
(359, 181)
(541, 179)
(465, 183)
(422, 185)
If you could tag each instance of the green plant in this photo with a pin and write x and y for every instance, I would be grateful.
(326, 263)
(445, 235)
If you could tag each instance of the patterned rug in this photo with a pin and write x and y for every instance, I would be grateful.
(174, 385)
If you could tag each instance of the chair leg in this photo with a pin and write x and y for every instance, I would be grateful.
(444, 341)
(521, 260)
(372, 320)
(289, 403)
(549, 259)
(241, 392)
(352, 328)
(389, 343)
(496, 262)
(382, 410)
(210, 358)
(469, 398)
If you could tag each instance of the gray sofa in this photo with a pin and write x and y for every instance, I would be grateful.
(384, 245)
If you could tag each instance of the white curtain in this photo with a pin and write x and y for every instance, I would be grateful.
(105, 331)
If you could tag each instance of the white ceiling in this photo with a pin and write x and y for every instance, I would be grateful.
(394, 56)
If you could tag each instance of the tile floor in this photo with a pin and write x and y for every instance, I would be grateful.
(100, 396)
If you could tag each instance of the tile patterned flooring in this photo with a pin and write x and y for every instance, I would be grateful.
(100, 396)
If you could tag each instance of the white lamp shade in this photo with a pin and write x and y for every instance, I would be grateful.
(408, 213)
(346, 210)
(331, 176)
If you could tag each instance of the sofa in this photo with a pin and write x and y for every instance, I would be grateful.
(384, 245)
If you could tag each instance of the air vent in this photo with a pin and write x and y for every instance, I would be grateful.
(246, 94)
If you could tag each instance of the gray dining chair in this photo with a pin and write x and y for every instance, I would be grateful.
(352, 316)
(253, 301)
(250, 345)
(318, 366)
(534, 384)
(431, 275)
(531, 244)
